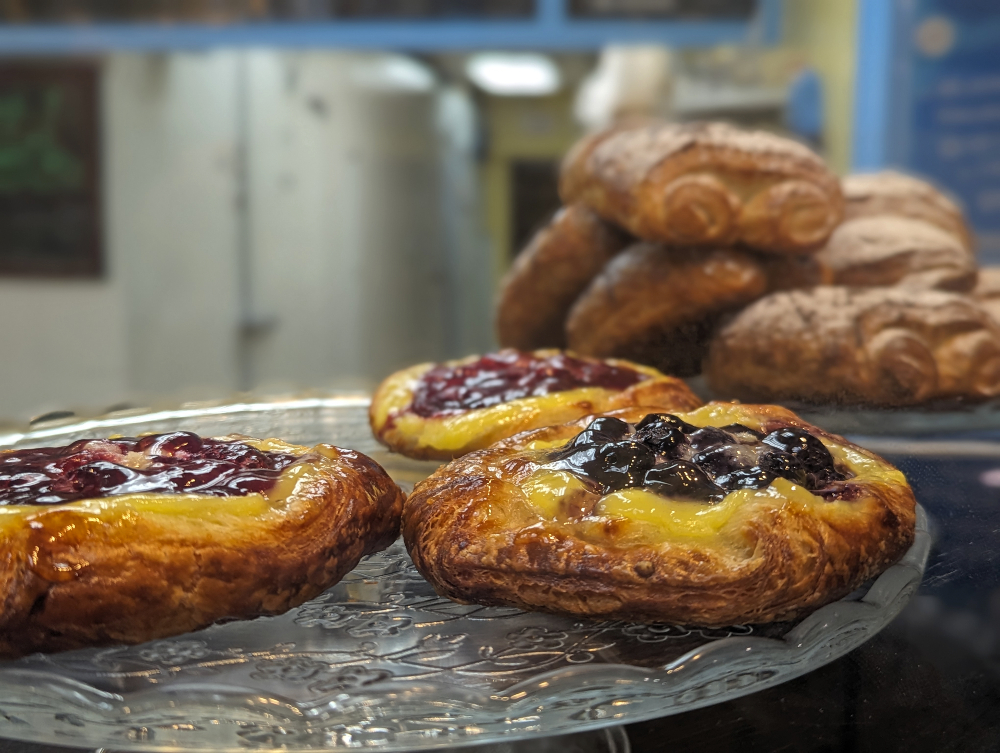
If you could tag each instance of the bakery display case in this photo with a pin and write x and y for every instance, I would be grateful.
(506, 376)
(381, 659)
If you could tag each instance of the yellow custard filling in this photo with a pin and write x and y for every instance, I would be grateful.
(479, 426)
(545, 488)
(673, 516)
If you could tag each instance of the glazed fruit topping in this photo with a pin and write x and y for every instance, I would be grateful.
(673, 458)
(178, 462)
(509, 375)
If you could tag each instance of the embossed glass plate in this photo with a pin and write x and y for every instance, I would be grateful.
(381, 661)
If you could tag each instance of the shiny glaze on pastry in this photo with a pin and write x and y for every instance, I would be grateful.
(711, 184)
(659, 305)
(891, 193)
(155, 464)
(549, 274)
(884, 250)
(445, 410)
(726, 514)
(861, 346)
(125, 556)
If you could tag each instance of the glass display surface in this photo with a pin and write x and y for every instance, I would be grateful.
(381, 661)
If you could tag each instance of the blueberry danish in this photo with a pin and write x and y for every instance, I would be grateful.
(726, 514)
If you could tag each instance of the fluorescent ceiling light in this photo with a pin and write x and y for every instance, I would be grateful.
(514, 75)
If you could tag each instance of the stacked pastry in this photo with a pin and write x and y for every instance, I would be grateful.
(905, 322)
(702, 247)
(668, 228)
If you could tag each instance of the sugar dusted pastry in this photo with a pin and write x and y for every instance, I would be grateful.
(705, 184)
(127, 540)
(892, 193)
(884, 250)
(723, 515)
(658, 305)
(549, 274)
(987, 291)
(863, 346)
(444, 410)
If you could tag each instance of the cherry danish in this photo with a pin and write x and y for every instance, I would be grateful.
(445, 410)
(131, 539)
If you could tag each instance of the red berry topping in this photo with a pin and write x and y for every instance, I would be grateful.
(508, 375)
(172, 463)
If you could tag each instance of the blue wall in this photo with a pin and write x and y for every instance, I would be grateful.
(928, 100)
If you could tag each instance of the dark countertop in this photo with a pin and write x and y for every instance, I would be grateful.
(929, 682)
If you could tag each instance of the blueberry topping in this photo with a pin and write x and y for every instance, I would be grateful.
(613, 428)
(708, 436)
(663, 437)
(666, 418)
(784, 465)
(725, 458)
(615, 465)
(670, 457)
(585, 438)
(684, 480)
(748, 478)
(804, 446)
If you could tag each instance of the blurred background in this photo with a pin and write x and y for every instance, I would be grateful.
(199, 197)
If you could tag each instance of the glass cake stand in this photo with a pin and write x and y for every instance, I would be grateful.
(381, 661)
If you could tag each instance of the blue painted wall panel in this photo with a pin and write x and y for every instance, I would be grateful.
(928, 100)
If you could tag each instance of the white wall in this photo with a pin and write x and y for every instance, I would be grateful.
(61, 344)
(170, 129)
(359, 236)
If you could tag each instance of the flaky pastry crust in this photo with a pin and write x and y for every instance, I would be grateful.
(882, 347)
(473, 533)
(705, 183)
(987, 291)
(548, 275)
(658, 305)
(447, 437)
(891, 193)
(885, 250)
(135, 568)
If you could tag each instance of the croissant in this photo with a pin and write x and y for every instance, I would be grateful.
(889, 192)
(885, 250)
(705, 184)
(987, 291)
(658, 305)
(864, 346)
(549, 274)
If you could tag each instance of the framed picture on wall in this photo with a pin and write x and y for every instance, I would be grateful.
(50, 182)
